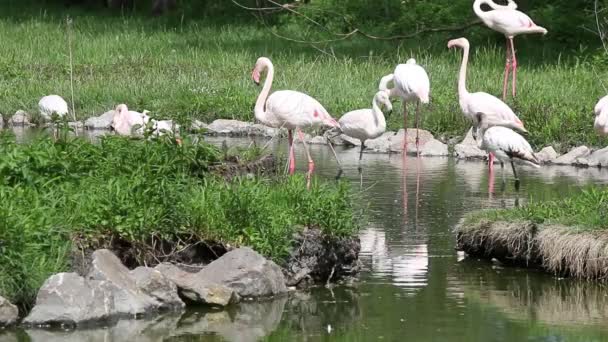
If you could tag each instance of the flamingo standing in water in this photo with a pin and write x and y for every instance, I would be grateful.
(497, 137)
(601, 116)
(480, 102)
(290, 109)
(510, 22)
(411, 84)
(364, 124)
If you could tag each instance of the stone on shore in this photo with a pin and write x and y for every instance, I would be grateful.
(198, 125)
(156, 285)
(9, 313)
(434, 148)
(571, 157)
(342, 139)
(246, 272)
(546, 155)
(391, 142)
(468, 149)
(1, 122)
(20, 119)
(104, 121)
(598, 158)
(229, 127)
(197, 290)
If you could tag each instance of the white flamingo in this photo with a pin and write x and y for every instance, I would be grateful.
(125, 120)
(290, 109)
(510, 22)
(498, 137)
(411, 83)
(601, 116)
(52, 104)
(480, 102)
(364, 124)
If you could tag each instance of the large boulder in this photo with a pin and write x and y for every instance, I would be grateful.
(265, 131)
(8, 313)
(197, 290)
(198, 125)
(153, 283)
(546, 155)
(381, 144)
(229, 127)
(468, 149)
(391, 142)
(20, 119)
(598, 158)
(342, 139)
(434, 148)
(104, 121)
(246, 272)
(571, 157)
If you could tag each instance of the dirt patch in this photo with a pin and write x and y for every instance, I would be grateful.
(230, 169)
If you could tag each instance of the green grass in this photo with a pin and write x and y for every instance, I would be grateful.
(585, 211)
(57, 196)
(185, 69)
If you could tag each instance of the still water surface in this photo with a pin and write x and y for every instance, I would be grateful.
(414, 286)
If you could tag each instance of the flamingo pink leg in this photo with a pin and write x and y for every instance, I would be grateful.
(507, 70)
(491, 161)
(514, 65)
(404, 128)
(311, 164)
(417, 122)
(292, 157)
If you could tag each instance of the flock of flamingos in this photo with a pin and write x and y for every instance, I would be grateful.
(495, 125)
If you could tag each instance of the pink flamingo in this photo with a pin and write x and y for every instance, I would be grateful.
(290, 109)
(510, 22)
(601, 116)
(411, 84)
(480, 102)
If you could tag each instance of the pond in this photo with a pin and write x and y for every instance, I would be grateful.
(415, 286)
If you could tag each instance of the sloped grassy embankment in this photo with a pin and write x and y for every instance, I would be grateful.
(148, 201)
(567, 237)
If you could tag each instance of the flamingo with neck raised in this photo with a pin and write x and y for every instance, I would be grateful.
(510, 22)
(290, 109)
(480, 102)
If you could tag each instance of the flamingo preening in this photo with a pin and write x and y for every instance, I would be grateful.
(480, 102)
(601, 116)
(498, 137)
(125, 120)
(510, 22)
(411, 83)
(290, 109)
(365, 124)
(52, 105)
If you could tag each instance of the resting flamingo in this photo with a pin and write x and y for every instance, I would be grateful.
(497, 136)
(290, 109)
(364, 124)
(411, 83)
(52, 104)
(601, 116)
(125, 120)
(480, 102)
(510, 22)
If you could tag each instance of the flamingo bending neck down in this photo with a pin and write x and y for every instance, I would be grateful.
(364, 124)
(411, 83)
(290, 109)
(497, 136)
(480, 102)
(125, 120)
(510, 22)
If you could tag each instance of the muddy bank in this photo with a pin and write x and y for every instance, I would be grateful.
(560, 250)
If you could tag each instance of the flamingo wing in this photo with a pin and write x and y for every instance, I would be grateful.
(511, 22)
(357, 124)
(501, 140)
(295, 109)
(412, 80)
(601, 104)
(491, 105)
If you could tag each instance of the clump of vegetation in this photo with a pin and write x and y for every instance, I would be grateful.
(66, 194)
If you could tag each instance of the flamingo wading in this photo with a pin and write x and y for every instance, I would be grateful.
(411, 83)
(480, 102)
(510, 22)
(290, 109)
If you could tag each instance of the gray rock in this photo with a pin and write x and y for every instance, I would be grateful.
(195, 289)
(8, 313)
(389, 142)
(69, 298)
(468, 149)
(382, 144)
(76, 124)
(229, 127)
(265, 131)
(571, 157)
(598, 158)
(546, 155)
(342, 139)
(434, 148)
(128, 297)
(198, 125)
(104, 121)
(156, 285)
(318, 140)
(246, 272)
(21, 118)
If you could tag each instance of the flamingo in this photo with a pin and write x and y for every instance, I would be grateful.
(601, 116)
(498, 137)
(290, 109)
(473, 103)
(125, 120)
(52, 104)
(364, 124)
(411, 83)
(510, 22)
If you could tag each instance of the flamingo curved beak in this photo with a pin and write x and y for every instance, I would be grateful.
(255, 76)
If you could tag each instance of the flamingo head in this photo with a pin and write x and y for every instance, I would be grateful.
(122, 108)
(382, 98)
(460, 42)
(260, 65)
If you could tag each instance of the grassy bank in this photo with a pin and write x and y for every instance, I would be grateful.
(60, 196)
(185, 68)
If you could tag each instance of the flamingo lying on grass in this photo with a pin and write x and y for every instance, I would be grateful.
(601, 116)
(497, 136)
(52, 104)
(480, 102)
(510, 22)
(290, 109)
(364, 124)
(411, 84)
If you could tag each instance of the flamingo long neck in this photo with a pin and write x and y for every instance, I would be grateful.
(462, 78)
(259, 110)
(384, 81)
(477, 8)
(378, 115)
